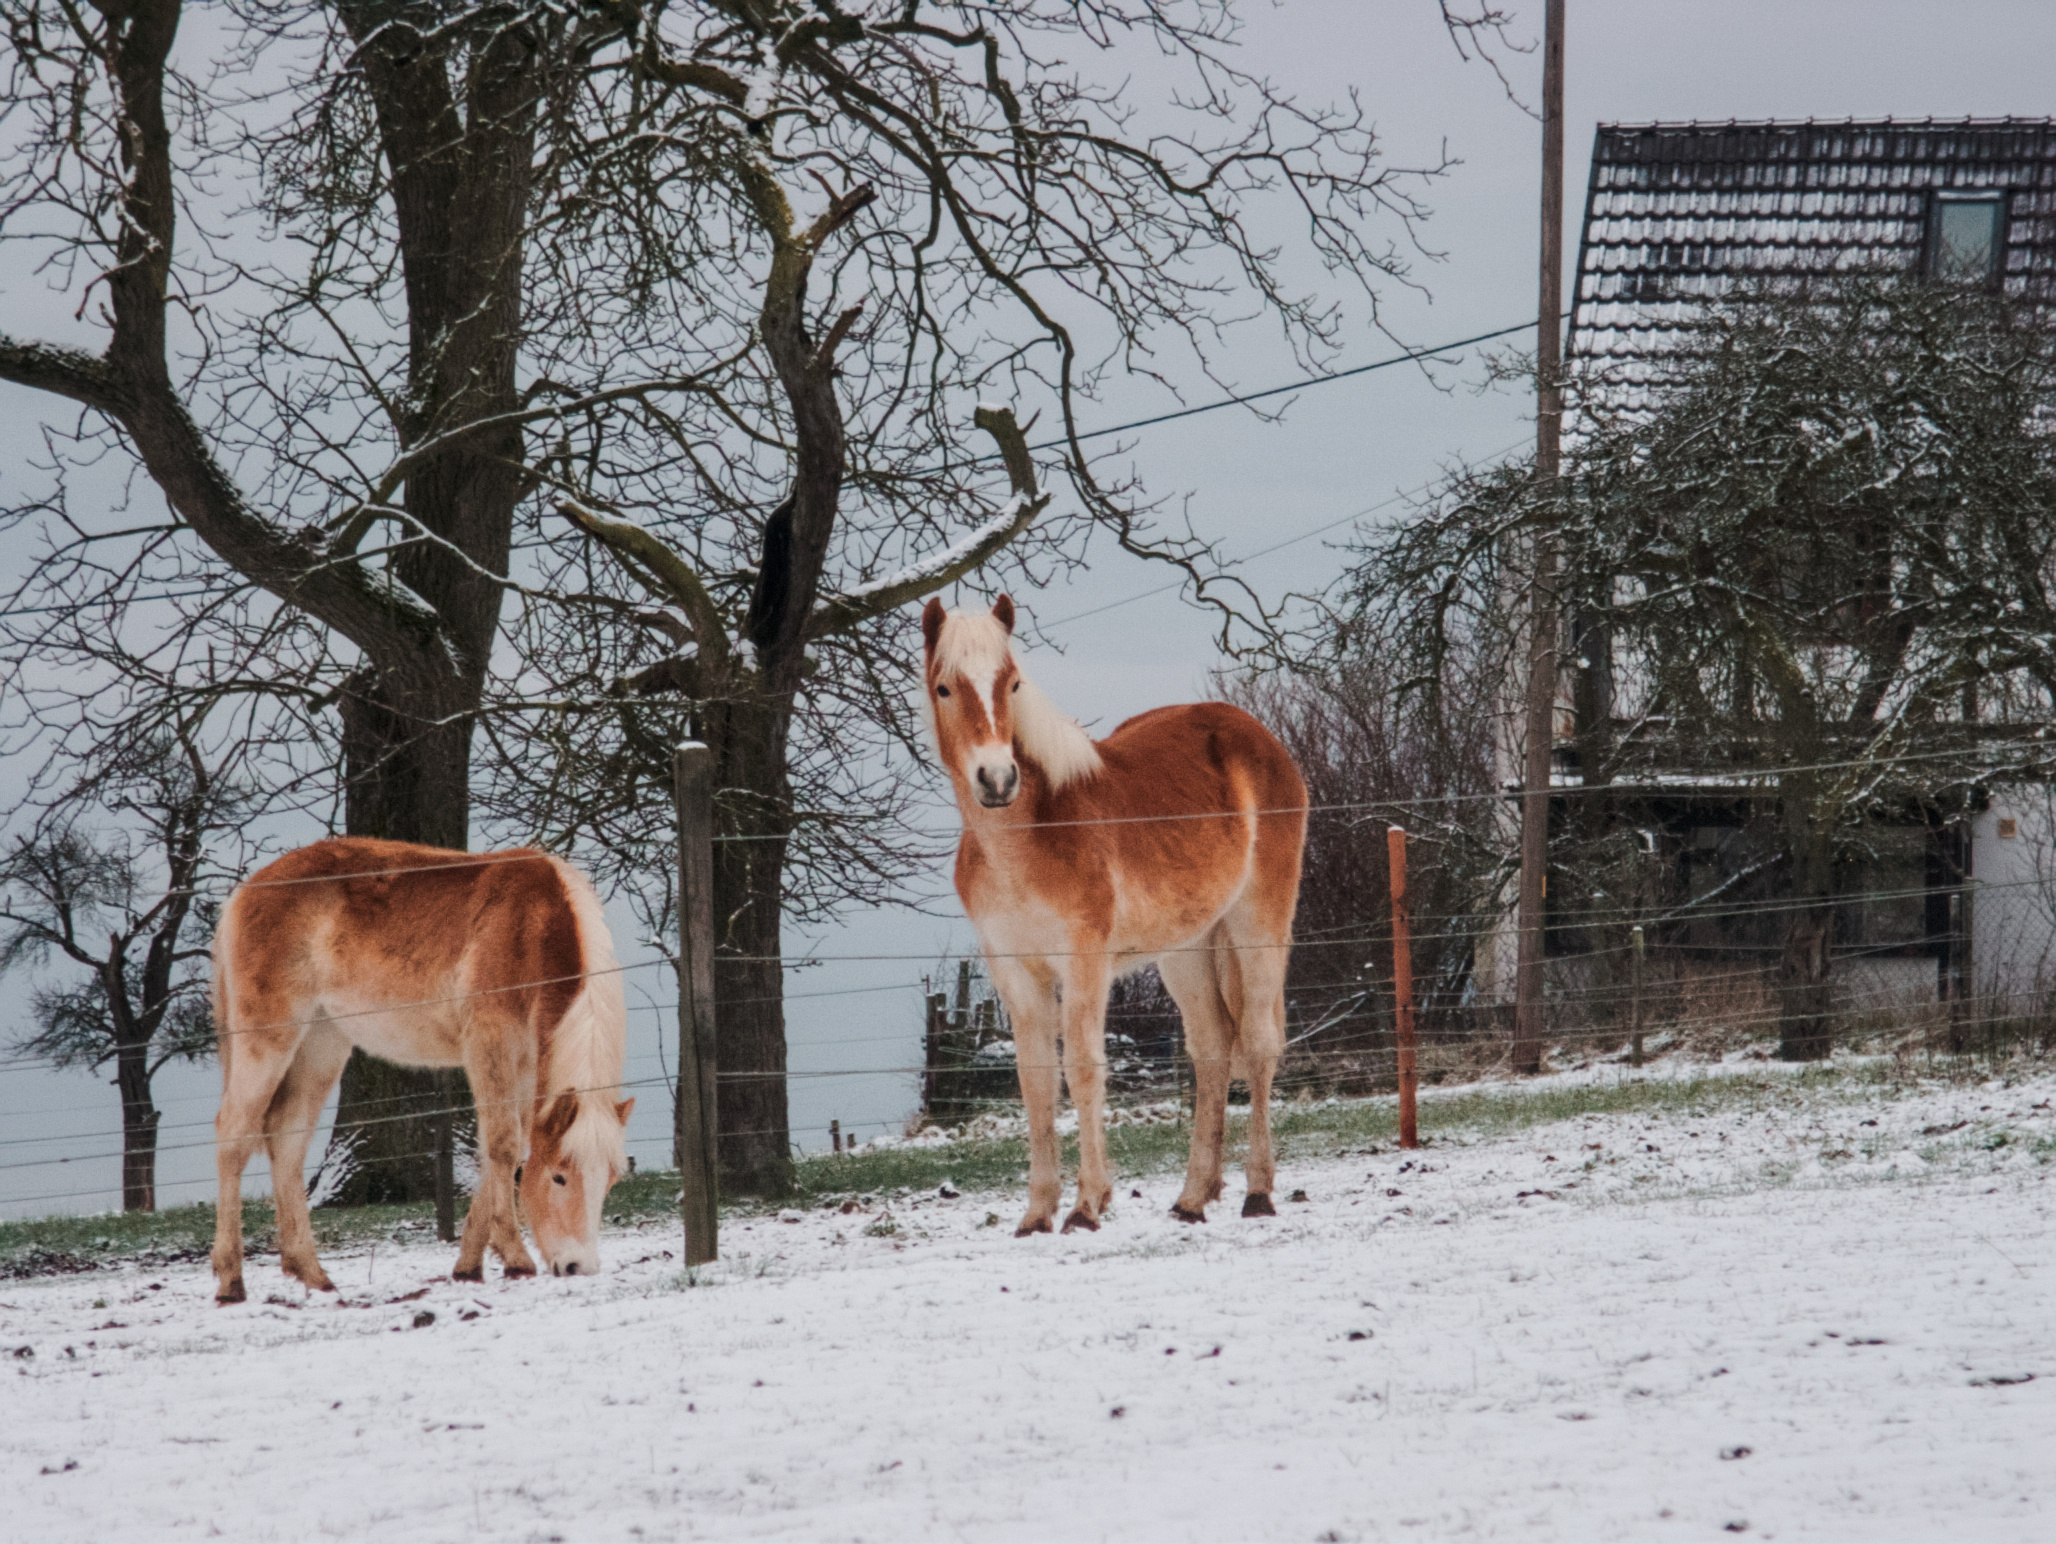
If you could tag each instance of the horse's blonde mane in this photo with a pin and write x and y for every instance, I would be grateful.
(974, 644)
(591, 1040)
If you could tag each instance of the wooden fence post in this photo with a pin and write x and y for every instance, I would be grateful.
(692, 769)
(1635, 965)
(1403, 987)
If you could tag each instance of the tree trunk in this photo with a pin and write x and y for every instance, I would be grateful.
(459, 141)
(139, 1117)
(404, 783)
(1805, 984)
(749, 1004)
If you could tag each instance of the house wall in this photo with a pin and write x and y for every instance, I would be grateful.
(2013, 887)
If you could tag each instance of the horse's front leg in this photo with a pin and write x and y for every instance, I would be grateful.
(1086, 981)
(502, 1090)
(1030, 999)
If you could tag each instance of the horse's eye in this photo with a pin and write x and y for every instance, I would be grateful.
(1017, 686)
(517, 1173)
(942, 691)
(559, 1178)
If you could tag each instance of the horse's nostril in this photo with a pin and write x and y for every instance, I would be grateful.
(571, 1269)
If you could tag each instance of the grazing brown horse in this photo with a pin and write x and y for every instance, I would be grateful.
(499, 963)
(1175, 841)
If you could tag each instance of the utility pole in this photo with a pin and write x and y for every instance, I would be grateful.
(1543, 620)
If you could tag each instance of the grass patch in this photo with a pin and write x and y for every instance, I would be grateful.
(56, 1246)
(61, 1245)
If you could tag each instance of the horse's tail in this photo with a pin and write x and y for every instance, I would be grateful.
(1228, 988)
(220, 993)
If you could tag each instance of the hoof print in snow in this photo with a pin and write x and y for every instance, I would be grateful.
(424, 1318)
(1118, 1411)
(64, 1468)
(1735, 1452)
(1739, 1525)
(1297, 1195)
(1998, 1380)
(1359, 1334)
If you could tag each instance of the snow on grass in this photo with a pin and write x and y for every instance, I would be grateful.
(1801, 1307)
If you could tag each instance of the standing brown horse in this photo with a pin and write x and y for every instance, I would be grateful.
(1175, 841)
(499, 963)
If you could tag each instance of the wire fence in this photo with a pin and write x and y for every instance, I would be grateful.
(1342, 1026)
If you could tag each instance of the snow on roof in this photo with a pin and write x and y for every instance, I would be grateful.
(1677, 213)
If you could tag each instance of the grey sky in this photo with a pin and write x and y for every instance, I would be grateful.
(1341, 450)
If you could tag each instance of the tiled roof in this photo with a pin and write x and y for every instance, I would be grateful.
(1676, 213)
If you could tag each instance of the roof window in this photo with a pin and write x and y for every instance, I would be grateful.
(1966, 233)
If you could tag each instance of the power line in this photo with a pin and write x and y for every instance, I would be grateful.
(1239, 399)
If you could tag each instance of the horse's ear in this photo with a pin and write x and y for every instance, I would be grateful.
(1003, 609)
(558, 1117)
(932, 616)
(624, 1109)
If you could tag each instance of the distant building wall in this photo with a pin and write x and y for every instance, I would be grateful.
(2013, 888)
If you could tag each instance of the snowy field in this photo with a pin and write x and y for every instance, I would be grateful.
(1817, 1315)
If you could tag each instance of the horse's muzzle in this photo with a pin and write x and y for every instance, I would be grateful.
(996, 793)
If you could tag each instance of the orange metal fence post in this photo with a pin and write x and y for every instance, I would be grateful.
(1403, 986)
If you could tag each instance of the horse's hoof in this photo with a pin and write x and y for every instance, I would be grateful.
(1257, 1204)
(513, 1271)
(476, 1273)
(1184, 1214)
(1033, 1225)
(1081, 1219)
(232, 1293)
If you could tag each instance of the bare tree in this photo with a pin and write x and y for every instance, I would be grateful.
(1378, 751)
(130, 907)
(1813, 559)
(714, 271)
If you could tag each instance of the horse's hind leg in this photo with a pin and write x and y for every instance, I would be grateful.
(288, 1127)
(1189, 978)
(1259, 961)
(253, 1064)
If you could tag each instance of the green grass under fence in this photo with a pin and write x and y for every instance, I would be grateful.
(56, 1245)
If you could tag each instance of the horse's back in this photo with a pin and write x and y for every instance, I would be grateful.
(1205, 755)
(387, 925)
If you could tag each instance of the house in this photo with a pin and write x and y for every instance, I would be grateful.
(1680, 214)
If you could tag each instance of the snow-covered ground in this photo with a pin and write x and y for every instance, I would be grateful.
(1821, 1314)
